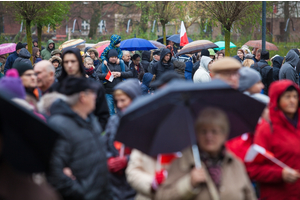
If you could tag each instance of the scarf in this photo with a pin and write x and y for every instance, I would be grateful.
(89, 71)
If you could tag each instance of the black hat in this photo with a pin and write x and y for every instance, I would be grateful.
(19, 46)
(204, 52)
(264, 55)
(22, 67)
(156, 52)
(112, 53)
(165, 78)
(72, 85)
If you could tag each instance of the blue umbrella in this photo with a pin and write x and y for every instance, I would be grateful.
(221, 45)
(136, 44)
(176, 38)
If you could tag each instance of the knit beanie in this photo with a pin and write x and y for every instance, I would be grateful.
(204, 52)
(248, 77)
(19, 46)
(22, 67)
(264, 55)
(131, 87)
(13, 84)
(112, 53)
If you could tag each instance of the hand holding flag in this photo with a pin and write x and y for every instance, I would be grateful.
(110, 77)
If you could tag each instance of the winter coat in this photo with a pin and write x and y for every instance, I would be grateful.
(10, 61)
(159, 68)
(235, 183)
(238, 58)
(82, 149)
(146, 83)
(277, 63)
(113, 68)
(46, 53)
(152, 63)
(58, 71)
(202, 74)
(188, 70)
(24, 56)
(135, 73)
(146, 60)
(140, 173)
(113, 39)
(288, 69)
(281, 138)
(179, 67)
(266, 73)
(240, 145)
(97, 62)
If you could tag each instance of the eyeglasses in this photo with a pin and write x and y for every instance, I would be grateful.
(29, 75)
(230, 73)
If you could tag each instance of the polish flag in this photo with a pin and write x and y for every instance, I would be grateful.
(183, 36)
(109, 76)
(166, 159)
(257, 153)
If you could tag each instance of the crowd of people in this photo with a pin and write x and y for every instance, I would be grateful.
(83, 95)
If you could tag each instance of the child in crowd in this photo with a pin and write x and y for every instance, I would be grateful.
(115, 42)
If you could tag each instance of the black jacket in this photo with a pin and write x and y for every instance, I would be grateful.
(113, 68)
(146, 60)
(277, 63)
(135, 73)
(159, 68)
(152, 63)
(82, 149)
(101, 111)
(266, 73)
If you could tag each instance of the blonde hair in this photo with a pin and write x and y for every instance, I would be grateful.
(248, 62)
(213, 116)
(88, 59)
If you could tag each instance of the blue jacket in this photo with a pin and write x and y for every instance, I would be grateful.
(10, 61)
(113, 41)
(147, 78)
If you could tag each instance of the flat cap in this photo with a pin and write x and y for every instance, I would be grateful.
(227, 63)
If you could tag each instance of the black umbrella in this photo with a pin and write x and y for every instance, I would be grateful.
(27, 140)
(161, 39)
(168, 116)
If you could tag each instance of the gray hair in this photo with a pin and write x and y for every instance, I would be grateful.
(71, 100)
(47, 100)
(125, 52)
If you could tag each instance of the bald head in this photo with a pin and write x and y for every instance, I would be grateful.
(45, 72)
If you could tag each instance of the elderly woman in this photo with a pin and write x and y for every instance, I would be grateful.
(221, 176)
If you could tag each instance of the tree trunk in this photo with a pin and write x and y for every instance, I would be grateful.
(286, 16)
(227, 41)
(95, 20)
(39, 30)
(29, 39)
(164, 32)
(143, 26)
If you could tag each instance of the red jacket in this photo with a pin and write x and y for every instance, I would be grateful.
(240, 145)
(282, 139)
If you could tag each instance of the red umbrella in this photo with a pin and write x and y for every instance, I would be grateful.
(258, 44)
(101, 48)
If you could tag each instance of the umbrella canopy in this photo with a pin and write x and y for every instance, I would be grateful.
(101, 49)
(176, 38)
(221, 45)
(7, 48)
(258, 44)
(161, 39)
(99, 44)
(171, 112)
(157, 44)
(134, 44)
(197, 46)
(27, 140)
(71, 43)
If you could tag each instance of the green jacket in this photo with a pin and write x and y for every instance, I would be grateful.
(46, 53)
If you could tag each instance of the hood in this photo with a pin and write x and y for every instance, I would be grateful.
(147, 78)
(146, 55)
(276, 89)
(78, 56)
(131, 87)
(163, 53)
(95, 52)
(55, 51)
(114, 39)
(49, 42)
(204, 62)
(277, 61)
(24, 53)
(86, 49)
(292, 58)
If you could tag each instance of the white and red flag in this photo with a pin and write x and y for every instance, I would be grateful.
(257, 153)
(110, 77)
(183, 36)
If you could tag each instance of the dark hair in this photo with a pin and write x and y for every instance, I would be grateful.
(220, 52)
(291, 88)
(75, 51)
(135, 56)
